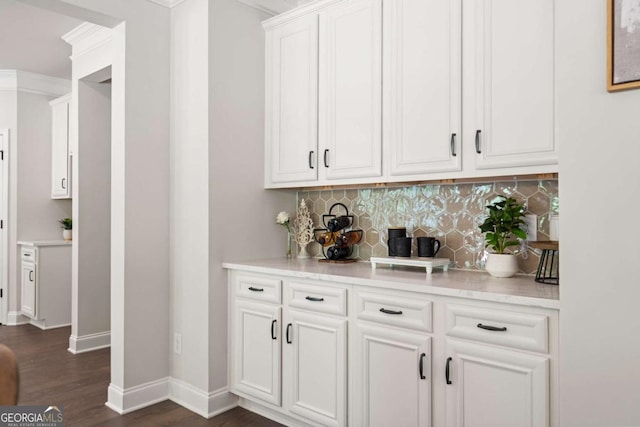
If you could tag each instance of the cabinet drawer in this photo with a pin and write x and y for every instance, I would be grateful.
(403, 311)
(511, 329)
(322, 299)
(259, 288)
(28, 254)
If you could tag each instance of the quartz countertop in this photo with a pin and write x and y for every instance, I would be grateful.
(44, 242)
(478, 285)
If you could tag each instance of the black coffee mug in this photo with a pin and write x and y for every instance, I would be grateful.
(428, 246)
(400, 246)
(394, 233)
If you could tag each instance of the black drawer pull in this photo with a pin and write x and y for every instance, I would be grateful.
(251, 288)
(453, 145)
(314, 299)
(31, 276)
(478, 141)
(288, 331)
(385, 311)
(422, 377)
(310, 156)
(446, 370)
(492, 328)
(273, 329)
(326, 164)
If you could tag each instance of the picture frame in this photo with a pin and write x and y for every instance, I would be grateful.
(623, 45)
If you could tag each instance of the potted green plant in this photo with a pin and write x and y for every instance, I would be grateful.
(502, 228)
(67, 225)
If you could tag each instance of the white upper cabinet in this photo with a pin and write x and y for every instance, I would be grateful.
(351, 89)
(422, 86)
(509, 83)
(60, 165)
(292, 101)
(324, 95)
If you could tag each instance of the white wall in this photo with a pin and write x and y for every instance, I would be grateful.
(218, 204)
(92, 221)
(140, 195)
(33, 215)
(242, 214)
(599, 175)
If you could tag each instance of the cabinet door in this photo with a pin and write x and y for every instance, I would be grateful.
(422, 86)
(494, 387)
(255, 354)
(509, 67)
(60, 188)
(392, 378)
(351, 90)
(292, 101)
(28, 294)
(315, 367)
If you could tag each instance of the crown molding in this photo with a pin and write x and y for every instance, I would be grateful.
(23, 81)
(86, 37)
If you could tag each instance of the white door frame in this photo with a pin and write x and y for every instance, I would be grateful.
(4, 236)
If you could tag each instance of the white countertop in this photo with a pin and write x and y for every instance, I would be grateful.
(44, 242)
(521, 289)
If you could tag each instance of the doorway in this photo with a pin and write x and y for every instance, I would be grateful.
(4, 192)
(91, 253)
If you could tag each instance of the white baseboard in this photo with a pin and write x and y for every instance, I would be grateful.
(131, 399)
(91, 342)
(205, 404)
(15, 318)
(42, 324)
(273, 415)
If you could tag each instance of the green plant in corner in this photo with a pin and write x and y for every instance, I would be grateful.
(504, 222)
(66, 223)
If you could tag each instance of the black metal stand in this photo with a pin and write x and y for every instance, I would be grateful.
(548, 269)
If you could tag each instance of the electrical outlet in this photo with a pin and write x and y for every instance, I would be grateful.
(177, 343)
(531, 227)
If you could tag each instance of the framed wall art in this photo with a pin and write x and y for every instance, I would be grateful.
(623, 44)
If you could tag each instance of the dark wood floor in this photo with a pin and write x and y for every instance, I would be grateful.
(50, 375)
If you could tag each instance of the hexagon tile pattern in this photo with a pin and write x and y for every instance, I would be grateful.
(450, 212)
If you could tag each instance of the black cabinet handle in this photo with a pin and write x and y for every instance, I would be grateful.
(251, 288)
(288, 330)
(310, 156)
(453, 145)
(422, 377)
(385, 311)
(273, 329)
(62, 183)
(446, 370)
(492, 328)
(31, 276)
(478, 141)
(314, 299)
(326, 165)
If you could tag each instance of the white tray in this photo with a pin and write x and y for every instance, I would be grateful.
(427, 263)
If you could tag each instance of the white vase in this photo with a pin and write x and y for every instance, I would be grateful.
(501, 265)
(302, 253)
(67, 235)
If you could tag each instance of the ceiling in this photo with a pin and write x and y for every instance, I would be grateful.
(30, 36)
(30, 39)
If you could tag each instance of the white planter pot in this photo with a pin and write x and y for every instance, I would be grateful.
(67, 234)
(501, 265)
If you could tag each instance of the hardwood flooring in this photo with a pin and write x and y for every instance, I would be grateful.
(50, 375)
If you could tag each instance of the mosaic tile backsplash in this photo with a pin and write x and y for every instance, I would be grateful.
(450, 212)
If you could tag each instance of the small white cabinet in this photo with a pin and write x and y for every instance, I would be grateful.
(324, 95)
(46, 283)
(509, 82)
(60, 164)
(422, 87)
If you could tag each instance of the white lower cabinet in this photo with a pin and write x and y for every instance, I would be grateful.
(315, 367)
(324, 353)
(495, 387)
(256, 338)
(28, 294)
(391, 377)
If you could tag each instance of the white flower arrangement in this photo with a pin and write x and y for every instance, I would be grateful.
(283, 219)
